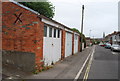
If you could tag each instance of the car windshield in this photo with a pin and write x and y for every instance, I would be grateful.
(108, 44)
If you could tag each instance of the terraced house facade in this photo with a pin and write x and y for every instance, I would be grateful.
(113, 38)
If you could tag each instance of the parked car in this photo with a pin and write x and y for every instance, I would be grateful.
(107, 45)
(115, 47)
(102, 44)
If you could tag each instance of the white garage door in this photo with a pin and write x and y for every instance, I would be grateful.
(75, 43)
(68, 44)
(51, 45)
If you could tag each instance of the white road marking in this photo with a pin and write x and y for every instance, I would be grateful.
(10, 78)
(88, 67)
(80, 71)
(17, 75)
(87, 47)
(114, 53)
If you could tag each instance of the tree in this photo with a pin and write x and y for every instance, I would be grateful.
(44, 8)
(82, 35)
(76, 30)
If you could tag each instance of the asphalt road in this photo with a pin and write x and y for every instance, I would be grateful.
(103, 66)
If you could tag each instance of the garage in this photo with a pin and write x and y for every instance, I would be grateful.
(75, 43)
(68, 44)
(51, 45)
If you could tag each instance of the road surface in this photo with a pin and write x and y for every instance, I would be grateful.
(93, 64)
(102, 66)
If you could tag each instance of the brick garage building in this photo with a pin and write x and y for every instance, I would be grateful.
(22, 31)
(24, 42)
(58, 45)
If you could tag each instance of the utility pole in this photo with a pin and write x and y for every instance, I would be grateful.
(82, 26)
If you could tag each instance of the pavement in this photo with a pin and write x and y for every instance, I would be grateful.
(65, 69)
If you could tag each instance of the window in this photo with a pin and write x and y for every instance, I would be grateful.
(75, 37)
(115, 37)
(58, 33)
(45, 31)
(54, 33)
(50, 32)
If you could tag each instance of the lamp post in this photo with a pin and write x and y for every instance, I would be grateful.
(82, 26)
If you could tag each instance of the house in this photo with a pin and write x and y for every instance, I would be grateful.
(88, 41)
(31, 41)
(116, 38)
(113, 38)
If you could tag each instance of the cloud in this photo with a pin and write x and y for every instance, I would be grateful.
(99, 16)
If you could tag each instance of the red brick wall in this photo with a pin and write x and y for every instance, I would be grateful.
(25, 36)
(0, 26)
(63, 44)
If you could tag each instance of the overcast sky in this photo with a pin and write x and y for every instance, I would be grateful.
(100, 15)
